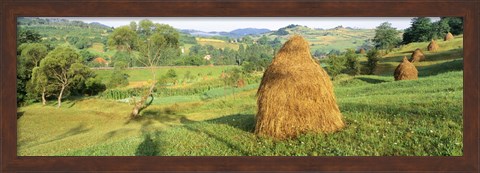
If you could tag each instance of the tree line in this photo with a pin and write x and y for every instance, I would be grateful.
(386, 38)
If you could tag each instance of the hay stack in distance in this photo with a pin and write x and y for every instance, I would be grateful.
(433, 46)
(362, 51)
(240, 83)
(417, 56)
(296, 95)
(406, 71)
(448, 37)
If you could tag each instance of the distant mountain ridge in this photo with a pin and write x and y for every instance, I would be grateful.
(59, 22)
(234, 34)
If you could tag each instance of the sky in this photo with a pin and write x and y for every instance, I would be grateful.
(273, 23)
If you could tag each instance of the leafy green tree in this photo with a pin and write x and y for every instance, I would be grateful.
(94, 85)
(118, 77)
(122, 56)
(198, 50)
(247, 39)
(440, 29)
(258, 56)
(231, 78)
(63, 67)
(335, 65)
(41, 84)
(124, 39)
(171, 73)
(33, 53)
(373, 56)
(195, 60)
(318, 53)
(133, 26)
(353, 65)
(263, 40)
(386, 36)
(87, 56)
(83, 43)
(27, 36)
(30, 56)
(455, 24)
(280, 32)
(276, 44)
(188, 76)
(240, 56)
(419, 31)
(161, 44)
(72, 39)
(145, 28)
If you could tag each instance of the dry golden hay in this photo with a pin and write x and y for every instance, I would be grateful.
(433, 46)
(406, 71)
(240, 83)
(448, 37)
(100, 60)
(296, 95)
(417, 56)
(223, 75)
(362, 51)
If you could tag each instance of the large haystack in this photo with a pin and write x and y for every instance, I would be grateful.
(433, 46)
(417, 56)
(296, 95)
(448, 37)
(405, 71)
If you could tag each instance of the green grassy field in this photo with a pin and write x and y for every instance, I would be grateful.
(326, 40)
(217, 43)
(384, 118)
(137, 75)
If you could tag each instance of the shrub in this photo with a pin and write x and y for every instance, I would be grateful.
(373, 57)
(335, 65)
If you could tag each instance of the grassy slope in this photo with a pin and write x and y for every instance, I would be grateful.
(326, 40)
(217, 43)
(138, 75)
(450, 53)
(383, 117)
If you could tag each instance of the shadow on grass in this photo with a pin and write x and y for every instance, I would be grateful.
(80, 129)
(115, 132)
(165, 115)
(445, 55)
(20, 114)
(431, 56)
(431, 70)
(152, 142)
(245, 122)
(219, 138)
(148, 147)
(404, 111)
(370, 80)
(385, 69)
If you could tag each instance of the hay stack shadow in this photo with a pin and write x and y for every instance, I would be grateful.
(296, 95)
(405, 71)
